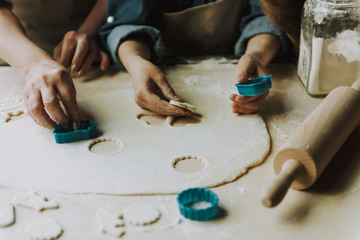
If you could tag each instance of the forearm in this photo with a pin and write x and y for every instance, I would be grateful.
(133, 50)
(15, 47)
(95, 19)
(264, 47)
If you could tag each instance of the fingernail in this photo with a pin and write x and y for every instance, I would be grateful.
(75, 127)
(243, 77)
(79, 73)
(73, 67)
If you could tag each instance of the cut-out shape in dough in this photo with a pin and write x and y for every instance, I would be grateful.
(44, 229)
(105, 146)
(183, 121)
(141, 214)
(111, 221)
(7, 215)
(34, 201)
(152, 119)
(189, 164)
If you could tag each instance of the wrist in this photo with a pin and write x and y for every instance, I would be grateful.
(31, 58)
(34, 63)
(263, 47)
(134, 63)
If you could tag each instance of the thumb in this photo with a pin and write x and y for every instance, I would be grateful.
(245, 69)
(104, 60)
(56, 52)
(166, 89)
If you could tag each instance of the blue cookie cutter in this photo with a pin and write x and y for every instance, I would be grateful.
(255, 86)
(193, 195)
(87, 130)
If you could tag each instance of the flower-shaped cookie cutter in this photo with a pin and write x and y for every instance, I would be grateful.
(193, 195)
(255, 86)
(87, 130)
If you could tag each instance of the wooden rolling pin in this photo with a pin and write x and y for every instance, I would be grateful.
(303, 157)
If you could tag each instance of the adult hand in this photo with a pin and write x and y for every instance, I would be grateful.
(48, 83)
(249, 67)
(80, 51)
(152, 89)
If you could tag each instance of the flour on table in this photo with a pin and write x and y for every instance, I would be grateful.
(7, 215)
(141, 214)
(34, 201)
(111, 221)
(228, 143)
(44, 229)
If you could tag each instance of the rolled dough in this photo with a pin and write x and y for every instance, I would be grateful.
(34, 201)
(229, 144)
(141, 214)
(7, 215)
(44, 229)
(111, 221)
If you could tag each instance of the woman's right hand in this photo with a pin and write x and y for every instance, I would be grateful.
(79, 51)
(46, 84)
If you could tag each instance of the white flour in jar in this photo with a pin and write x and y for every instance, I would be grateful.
(334, 62)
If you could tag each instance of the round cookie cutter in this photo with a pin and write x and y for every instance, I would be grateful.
(255, 86)
(193, 195)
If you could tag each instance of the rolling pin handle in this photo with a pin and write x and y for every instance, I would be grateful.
(277, 189)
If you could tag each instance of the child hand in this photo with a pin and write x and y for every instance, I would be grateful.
(152, 89)
(249, 67)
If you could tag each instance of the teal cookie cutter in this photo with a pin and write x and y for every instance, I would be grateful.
(193, 195)
(255, 86)
(87, 130)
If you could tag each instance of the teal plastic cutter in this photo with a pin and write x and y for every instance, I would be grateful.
(194, 195)
(255, 86)
(87, 130)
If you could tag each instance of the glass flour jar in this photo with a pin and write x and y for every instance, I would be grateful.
(329, 45)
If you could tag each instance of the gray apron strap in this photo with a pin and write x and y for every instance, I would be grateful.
(212, 28)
